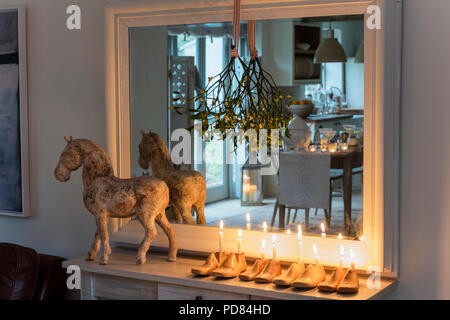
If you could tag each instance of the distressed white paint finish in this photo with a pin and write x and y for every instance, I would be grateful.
(379, 106)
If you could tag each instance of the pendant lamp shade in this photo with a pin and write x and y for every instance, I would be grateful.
(359, 56)
(330, 50)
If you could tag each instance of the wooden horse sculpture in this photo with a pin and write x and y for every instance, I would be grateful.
(106, 196)
(187, 187)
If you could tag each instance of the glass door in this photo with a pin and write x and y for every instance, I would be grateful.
(209, 58)
(214, 165)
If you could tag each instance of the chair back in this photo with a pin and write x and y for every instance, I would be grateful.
(304, 180)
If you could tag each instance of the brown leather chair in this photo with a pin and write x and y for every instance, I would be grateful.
(27, 275)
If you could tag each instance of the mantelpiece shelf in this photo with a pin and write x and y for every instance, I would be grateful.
(159, 279)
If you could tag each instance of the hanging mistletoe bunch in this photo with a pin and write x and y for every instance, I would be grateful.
(239, 103)
(251, 101)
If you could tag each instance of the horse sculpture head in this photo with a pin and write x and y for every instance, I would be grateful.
(146, 147)
(70, 160)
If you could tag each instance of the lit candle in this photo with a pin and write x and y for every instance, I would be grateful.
(344, 146)
(340, 237)
(322, 228)
(333, 147)
(274, 247)
(361, 238)
(300, 243)
(316, 254)
(247, 219)
(323, 147)
(288, 231)
(312, 148)
(246, 188)
(239, 240)
(265, 226)
(341, 258)
(352, 259)
(221, 236)
(263, 249)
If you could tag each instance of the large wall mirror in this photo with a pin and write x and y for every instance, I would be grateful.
(181, 58)
(336, 83)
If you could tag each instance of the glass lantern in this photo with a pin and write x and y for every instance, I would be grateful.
(251, 188)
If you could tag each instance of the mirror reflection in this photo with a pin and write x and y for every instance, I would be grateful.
(315, 175)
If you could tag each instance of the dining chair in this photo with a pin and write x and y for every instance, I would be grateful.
(304, 183)
(334, 176)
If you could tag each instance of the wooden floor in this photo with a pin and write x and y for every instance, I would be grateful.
(233, 214)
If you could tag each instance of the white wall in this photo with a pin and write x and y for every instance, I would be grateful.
(425, 151)
(66, 97)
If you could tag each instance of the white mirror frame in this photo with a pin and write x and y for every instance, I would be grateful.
(382, 125)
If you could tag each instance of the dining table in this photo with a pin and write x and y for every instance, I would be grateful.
(346, 161)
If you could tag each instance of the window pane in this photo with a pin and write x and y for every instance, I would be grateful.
(214, 163)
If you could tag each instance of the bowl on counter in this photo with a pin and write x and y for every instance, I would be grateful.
(302, 110)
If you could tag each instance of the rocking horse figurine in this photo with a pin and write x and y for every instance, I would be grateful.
(187, 187)
(106, 196)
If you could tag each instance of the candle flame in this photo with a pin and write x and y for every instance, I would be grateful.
(322, 227)
(247, 217)
(288, 231)
(221, 225)
(265, 226)
(263, 244)
(316, 252)
(274, 239)
(239, 233)
(340, 237)
(300, 233)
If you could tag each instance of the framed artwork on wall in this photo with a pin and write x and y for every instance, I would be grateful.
(14, 170)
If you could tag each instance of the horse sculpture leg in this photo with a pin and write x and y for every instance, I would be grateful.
(102, 229)
(150, 233)
(170, 233)
(95, 247)
(186, 213)
(200, 209)
(177, 214)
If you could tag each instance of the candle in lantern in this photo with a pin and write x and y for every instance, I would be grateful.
(341, 257)
(316, 254)
(344, 146)
(322, 228)
(247, 219)
(239, 241)
(246, 189)
(312, 148)
(352, 259)
(323, 147)
(274, 247)
(333, 146)
(300, 243)
(265, 226)
(221, 236)
(263, 249)
(340, 237)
